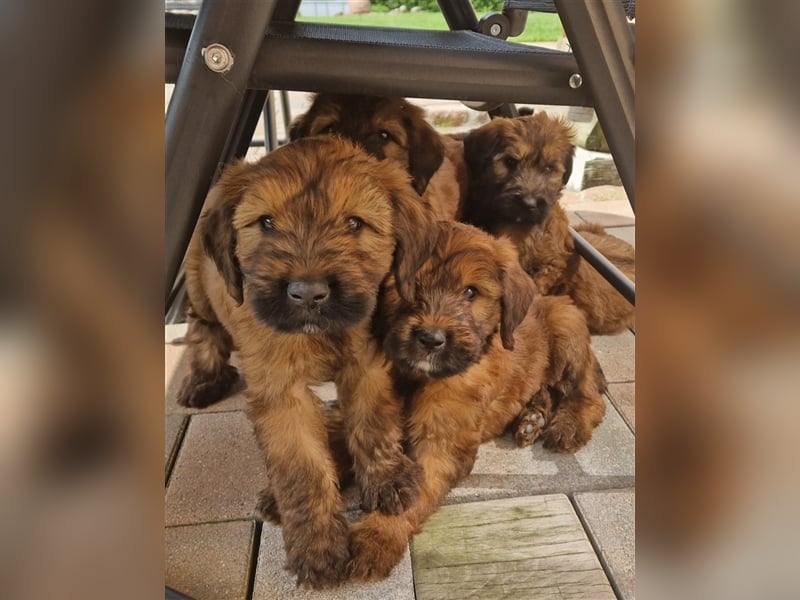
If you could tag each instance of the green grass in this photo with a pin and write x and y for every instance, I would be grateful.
(540, 27)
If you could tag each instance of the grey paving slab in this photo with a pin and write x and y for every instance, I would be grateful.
(177, 365)
(218, 473)
(574, 218)
(627, 234)
(209, 562)
(616, 354)
(606, 219)
(273, 582)
(610, 520)
(503, 470)
(623, 395)
(530, 547)
(172, 427)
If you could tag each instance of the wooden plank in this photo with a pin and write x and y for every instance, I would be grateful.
(530, 547)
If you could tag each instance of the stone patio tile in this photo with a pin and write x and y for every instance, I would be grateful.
(272, 581)
(616, 354)
(607, 216)
(209, 562)
(172, 427)
(574, 219)
(503, 470)
(627, 234)
(177, 364)
(623, 397)
(218, 473)
(608, 194)
(609, 517)
(530, 547)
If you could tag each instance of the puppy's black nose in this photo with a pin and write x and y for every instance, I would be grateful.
(534, 202)
(431, 339)
(309, 293)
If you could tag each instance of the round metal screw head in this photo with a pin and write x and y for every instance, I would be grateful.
(217, 58)
(575, 81)
(495, 29)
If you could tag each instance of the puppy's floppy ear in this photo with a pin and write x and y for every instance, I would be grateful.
(216, 227)
(425, 151)
(416, 232)
(300, 127)
(568, 164)
(519, 291)
(481, 145)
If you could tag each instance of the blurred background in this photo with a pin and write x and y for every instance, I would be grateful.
(718, 325)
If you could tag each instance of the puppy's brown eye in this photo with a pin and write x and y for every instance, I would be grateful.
(354, 224)
(510, 162)
(329, 129)
(470, 292)
(548, 169)
(384, 135)
(267, 223)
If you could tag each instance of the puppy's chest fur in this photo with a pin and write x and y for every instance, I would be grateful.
(546, 251)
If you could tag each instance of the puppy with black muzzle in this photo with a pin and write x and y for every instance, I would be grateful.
(474, 352)
(286, 265)
(517, 169)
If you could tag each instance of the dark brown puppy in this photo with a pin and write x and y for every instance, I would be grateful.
(393, 129)
(472, 353)
(286, 265)
(517, 170)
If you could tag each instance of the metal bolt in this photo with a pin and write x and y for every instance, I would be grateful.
(217, 58)
(575, 81)
(495, 29)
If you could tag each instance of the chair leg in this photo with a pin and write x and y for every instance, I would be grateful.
(202, 111)
(602, 43)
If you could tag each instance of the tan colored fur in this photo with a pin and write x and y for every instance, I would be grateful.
(517, 170)
(536, 363)
(434, 161)
(315, 210)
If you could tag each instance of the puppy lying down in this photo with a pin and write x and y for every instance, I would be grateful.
(474, 352)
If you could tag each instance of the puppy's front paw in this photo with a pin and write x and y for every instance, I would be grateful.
(376, 551)
(393, 490)
(200, 389)
(318, 557)
(267, 507)
(530, 424)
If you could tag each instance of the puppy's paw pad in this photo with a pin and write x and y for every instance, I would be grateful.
(200, 389)
(530, 425)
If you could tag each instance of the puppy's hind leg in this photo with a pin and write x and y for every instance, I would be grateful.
(210, 375)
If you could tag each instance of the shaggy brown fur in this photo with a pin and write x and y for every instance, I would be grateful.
(286, 266)
(517, 170)
(393, 129)
(472, 353)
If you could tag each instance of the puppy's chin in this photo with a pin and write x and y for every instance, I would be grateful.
(417, 364)
(276, 312)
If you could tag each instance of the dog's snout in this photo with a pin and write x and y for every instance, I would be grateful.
(535, 201)
(308, 292)
(431, 339)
